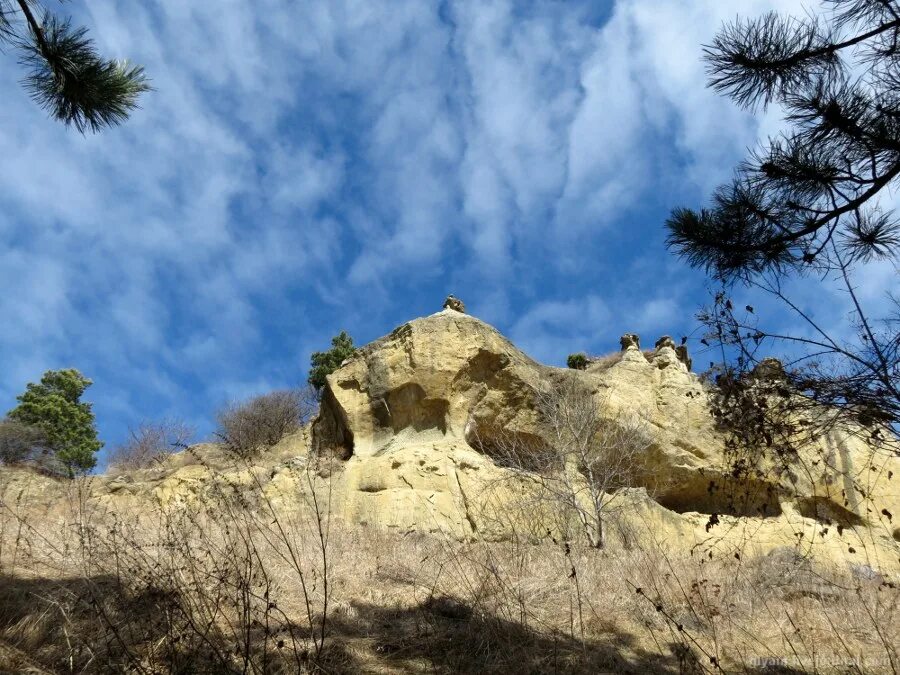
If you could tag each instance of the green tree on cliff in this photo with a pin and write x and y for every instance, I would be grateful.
(66, 76)
(323, 364)
(55, 407)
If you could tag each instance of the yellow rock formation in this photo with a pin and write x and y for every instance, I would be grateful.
(403, 425)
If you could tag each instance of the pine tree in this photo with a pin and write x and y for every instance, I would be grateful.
(808, 198)
(54, 406)
(807, 202)
(323, 364)
(66, 75)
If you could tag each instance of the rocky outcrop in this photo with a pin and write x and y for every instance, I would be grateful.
(416, 412)
(454, 303)
(630, 340)
(768, 370)
(454, 379)
(433, 379)
(410, 431)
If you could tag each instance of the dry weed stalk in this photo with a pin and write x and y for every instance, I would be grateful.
(204, 585)
(229, 580)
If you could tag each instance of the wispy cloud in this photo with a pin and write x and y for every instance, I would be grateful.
(307, 167)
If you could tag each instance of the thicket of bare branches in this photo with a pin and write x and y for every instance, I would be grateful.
(248, 427)
(585, 458)
(149, 444)
(856, 382)
(20, 443)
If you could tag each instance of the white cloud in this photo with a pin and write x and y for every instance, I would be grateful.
(657, 316)
(549, 328)
(522, 95)
(308, 166)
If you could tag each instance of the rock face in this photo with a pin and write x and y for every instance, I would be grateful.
(452, 379)
(452, 383)
(413, 416)
(411, 427)
(430, 380)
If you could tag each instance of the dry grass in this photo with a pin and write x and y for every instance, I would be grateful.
(599, 364)
(237, 584)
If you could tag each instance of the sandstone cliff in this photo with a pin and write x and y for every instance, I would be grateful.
(409, 426)
(406, 415)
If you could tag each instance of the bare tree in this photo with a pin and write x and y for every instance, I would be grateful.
(262, 421)
(149, 444)
(21, 443)
(586, 458)
(855, 375)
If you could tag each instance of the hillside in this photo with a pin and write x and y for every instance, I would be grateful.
(446, 511)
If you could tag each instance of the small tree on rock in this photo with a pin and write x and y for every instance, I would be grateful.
(322, 364)
(54, 407)
(577, 361)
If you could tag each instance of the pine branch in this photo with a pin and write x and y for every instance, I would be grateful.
(70, 80)
(35, 28)
(67, 77)
(755, 62)
(7, 14)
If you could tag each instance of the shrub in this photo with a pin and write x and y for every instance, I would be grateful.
(20, 443)
(259, 423)
(149, 444)
(322, 364)
(54, 406)
(577, 361)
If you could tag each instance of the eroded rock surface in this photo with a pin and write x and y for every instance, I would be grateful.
(441, 388)
(408, 429)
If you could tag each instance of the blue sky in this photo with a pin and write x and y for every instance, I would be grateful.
(307, 167)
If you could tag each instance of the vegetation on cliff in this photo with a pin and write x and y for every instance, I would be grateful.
(322, 364)
(54, 407)
(812, 203)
